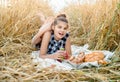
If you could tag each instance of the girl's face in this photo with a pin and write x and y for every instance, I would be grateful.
(60, 30)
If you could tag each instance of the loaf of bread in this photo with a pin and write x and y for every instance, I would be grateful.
(78, 59)
(94, 56)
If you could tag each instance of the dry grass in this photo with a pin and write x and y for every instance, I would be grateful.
(93, 24)
(97, 24)
(19, 22)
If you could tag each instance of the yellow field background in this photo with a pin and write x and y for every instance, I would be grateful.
(97, 25)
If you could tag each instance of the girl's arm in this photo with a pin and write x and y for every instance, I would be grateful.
(44, 47)
(37, 38)
(45, 27)
(68, 46)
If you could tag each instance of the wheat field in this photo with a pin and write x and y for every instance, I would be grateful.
(97, 24)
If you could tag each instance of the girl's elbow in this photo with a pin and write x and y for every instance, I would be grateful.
(33, 43)
(42, 56)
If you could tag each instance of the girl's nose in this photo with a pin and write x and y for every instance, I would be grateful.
(62, 30)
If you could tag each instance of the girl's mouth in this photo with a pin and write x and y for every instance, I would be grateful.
(61, 34)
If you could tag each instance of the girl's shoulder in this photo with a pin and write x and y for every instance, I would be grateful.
(48, 33)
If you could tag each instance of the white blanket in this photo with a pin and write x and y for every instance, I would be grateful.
(66, 65)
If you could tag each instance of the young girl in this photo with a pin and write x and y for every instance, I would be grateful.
(53, 36)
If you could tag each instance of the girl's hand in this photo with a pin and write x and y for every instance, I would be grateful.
(58, 55)
(47, 26)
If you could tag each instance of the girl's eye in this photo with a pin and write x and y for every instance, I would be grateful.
(65, 28)
(59, 27)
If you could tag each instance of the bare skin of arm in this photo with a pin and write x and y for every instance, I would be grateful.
(44, 46)
(37, 38)
(68, 46)
(45, 27)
